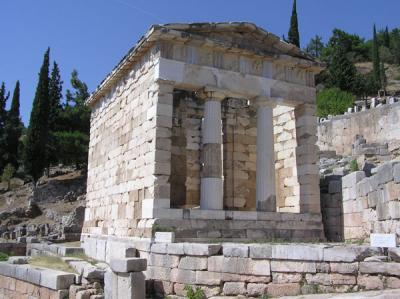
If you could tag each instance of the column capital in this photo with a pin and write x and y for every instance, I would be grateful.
(208, 94)
(264, 102)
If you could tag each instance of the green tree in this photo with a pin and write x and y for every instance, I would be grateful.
(72, 135)
(383, 78)
(3, 117)
(7, 175)
(333, 101)
(352, 45)
(294, 35)
(342, 72)
(386, 38)
(38, 130)
(55, 110)
(315, 46)
(13, 129)
(376, 60)
(395, 45)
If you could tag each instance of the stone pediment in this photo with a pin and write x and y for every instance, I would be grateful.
(238, 38)
(241, 35)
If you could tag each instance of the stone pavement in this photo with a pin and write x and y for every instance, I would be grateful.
(384, 294)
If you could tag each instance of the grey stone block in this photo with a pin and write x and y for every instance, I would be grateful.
(335, 186)
(372, 199)
(352, 179)
(238, 250)
(7, 269)
(56, 280)
(34, 275)
(363, 187)
(261, 251)
(380, 268)
(394, 254)
(396, 173)
(385, 172)
(175, 248)
(382, 211)
(128, 265)
(201, 249)
(21, 272)
(130, 285)
(18, 260)
(349, 254)
(298, 252)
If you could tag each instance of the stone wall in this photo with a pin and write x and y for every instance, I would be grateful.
(377, 125)
(23, 281)
(332, 207)
(124, 170)
(232, 269)
(371, 204)
(287, 185)
(18, 289)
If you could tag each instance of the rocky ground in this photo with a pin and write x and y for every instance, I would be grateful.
(54, 210)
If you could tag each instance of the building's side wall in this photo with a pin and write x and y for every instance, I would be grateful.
(377, 125)
(122, 164)
(371, 204)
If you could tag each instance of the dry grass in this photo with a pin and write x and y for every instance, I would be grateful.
(51, 262)
(72, 244)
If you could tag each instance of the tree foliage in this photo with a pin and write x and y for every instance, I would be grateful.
(73, 125)
(376, 59)
(333, 101)
(315, 46)
(13, 129)
(3, 116)
(37, 135)
(293, 34)
(7, 174)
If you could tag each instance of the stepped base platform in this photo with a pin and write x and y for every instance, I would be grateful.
(202, 225)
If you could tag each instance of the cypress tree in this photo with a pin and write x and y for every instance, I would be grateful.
(376, 60)
(13, 128)
(3, 116)
(386, 38)
(383, 76)
(55, 96)
(342, 72)
(37, 135)
(293, 35)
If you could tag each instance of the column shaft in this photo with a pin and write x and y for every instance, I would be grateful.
(211, 190)
(265, 171)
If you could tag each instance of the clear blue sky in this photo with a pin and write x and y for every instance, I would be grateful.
(93, 35)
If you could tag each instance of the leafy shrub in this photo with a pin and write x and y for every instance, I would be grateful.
(353, 165)
(3, 257)
(333, 101)
(8, 173)
(198, 293)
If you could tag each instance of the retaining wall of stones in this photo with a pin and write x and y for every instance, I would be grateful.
(372, 204)
(378, 125)
(232, 269)
(24, 281)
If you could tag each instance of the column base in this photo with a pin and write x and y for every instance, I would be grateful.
(211, 194)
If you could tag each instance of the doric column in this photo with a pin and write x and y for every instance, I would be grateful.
(265, 169)
(211, 191)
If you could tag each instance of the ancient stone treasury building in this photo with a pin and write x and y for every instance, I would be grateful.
(207, 130)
